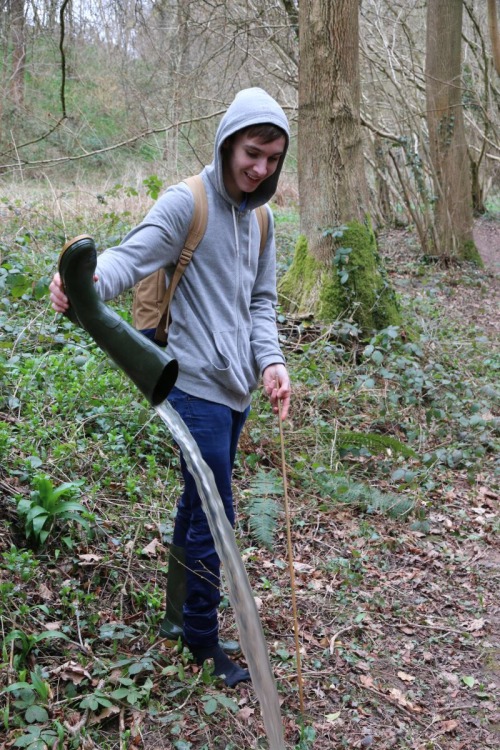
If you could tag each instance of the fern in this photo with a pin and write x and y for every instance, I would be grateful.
(374, 442)
(366, 498)
(262, 507)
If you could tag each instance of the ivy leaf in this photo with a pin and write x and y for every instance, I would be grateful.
(228, 703)
(41, 288)
(210, 706)
(469, 681)
(90, 702)
(36, 714)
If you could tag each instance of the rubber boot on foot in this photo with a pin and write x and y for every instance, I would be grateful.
(171, 626)
(231, 673)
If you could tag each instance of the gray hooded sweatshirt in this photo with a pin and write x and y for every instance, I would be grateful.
(223, 330)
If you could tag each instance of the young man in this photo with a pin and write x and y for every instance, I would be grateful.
(222, 333)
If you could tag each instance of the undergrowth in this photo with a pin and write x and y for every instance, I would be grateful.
(378, 430)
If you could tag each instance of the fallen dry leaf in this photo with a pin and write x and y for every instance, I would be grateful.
(245, 713)
(106, 712)
(400, 697)
(153, 548)
(448, 726)
(88, 558)
(406, 677)
(72, 672)
(366, 680)
(45, 593)
(53, 625)
(475, 625)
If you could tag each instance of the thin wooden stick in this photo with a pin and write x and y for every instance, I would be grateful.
(290, 563)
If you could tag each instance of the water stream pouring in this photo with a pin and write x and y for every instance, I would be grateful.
(252, 638)
(148, 367)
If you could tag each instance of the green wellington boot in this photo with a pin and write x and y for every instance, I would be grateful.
(171, 626)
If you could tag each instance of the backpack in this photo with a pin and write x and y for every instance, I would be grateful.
(152, 298)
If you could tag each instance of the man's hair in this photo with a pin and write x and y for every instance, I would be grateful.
(265, 132)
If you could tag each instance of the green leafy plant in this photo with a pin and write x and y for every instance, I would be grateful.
(21, 563)
(214, 702)
(40, 738)
(364, 497)
(373, 442)
(30, 698)
(153, 185)
(132, 693)
(26, 642)
(94, 701)
(46, 507)
(262, 507)
(307, 738)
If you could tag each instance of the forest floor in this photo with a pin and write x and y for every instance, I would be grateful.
(399, 627)
(422, 682)
(487, 239)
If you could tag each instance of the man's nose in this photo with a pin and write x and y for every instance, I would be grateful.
(260, 167)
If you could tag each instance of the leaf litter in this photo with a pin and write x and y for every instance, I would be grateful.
(399, 628)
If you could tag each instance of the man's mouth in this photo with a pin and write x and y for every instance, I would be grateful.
(252, 179)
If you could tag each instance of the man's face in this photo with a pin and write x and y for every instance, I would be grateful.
(249, 162)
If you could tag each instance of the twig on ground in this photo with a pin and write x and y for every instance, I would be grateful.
(127, 575)
(337, 634)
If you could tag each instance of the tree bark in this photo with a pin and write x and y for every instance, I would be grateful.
(494, 33)
(332, 181)
(447, 145)
(18, 53)
(336, 271)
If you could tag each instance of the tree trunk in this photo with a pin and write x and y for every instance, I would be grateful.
(447, 145)
(332, 182)
(494, 34)
(336, 270)
(18, 53)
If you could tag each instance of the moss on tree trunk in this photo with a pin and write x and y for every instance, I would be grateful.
(471, 254)
(353, 284)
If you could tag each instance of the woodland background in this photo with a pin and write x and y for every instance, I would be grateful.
(391, 449)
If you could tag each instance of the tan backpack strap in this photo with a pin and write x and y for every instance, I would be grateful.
(195, 235)
(263, 219)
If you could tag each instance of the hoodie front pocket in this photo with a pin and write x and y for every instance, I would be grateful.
(234, 366)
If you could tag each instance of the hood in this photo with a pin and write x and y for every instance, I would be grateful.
(250, 107)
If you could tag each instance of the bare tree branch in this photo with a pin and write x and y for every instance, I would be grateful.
(114, 147)
(63, 117)
(63, 59)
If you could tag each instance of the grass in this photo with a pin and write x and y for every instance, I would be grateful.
(396, 609)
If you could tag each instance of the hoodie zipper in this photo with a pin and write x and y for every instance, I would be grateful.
(236, 224)
(236, 233)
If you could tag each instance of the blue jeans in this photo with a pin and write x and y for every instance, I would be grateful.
(216, 429)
